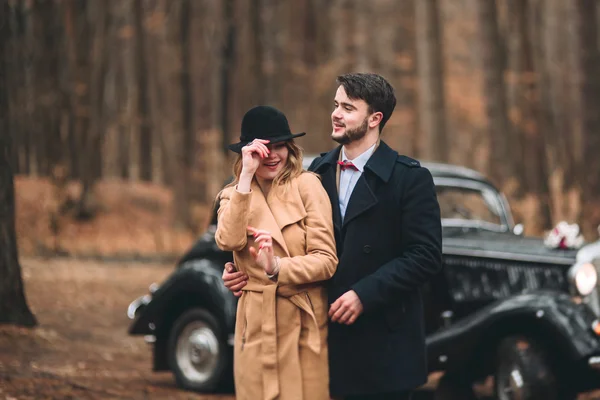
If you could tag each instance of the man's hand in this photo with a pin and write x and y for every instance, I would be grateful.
(233, 280)
(346, 309)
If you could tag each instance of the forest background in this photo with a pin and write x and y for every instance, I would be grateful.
(140, 97)
(115, 116)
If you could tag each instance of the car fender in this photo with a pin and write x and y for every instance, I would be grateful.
(563, 323)
(194, 283)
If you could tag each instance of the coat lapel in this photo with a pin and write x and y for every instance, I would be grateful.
(286, 205)
(379, 167)
(277, 211)
(361, 200)
(328, 181)
(326, 168)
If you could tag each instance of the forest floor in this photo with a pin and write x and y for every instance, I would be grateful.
(81, 349)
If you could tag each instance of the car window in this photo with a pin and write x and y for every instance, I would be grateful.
(469, 204)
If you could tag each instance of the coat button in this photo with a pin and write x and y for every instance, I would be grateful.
(367, 249)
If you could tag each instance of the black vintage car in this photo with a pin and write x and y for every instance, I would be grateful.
(505, 305)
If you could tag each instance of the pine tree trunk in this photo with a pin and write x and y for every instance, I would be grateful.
(431, 79)
(205, 64)
(403, 58)
(92, 139)
(342, 23)
(144, 132)
(13, 305)
(552, 38)
(588, 84)
(522, 95)
(122, 12)
(166, 105)
(226, 74)
(493, 63)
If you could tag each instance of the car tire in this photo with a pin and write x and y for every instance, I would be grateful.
(524, 371)
(197, 352)
(451, 387)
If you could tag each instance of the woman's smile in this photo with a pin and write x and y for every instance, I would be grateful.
(272, 165)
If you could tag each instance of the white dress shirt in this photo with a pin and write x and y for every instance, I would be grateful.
(349, 177)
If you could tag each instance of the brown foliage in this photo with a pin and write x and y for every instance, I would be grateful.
(152, 89)
(134, 221)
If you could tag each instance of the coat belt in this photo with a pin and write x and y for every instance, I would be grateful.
(269, 330)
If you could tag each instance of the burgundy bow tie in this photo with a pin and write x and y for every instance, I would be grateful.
(347, 164)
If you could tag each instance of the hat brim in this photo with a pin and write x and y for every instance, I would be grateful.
(237, 147)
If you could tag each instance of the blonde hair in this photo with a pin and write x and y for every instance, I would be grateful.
(291, 170)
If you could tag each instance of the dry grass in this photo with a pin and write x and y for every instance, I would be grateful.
(81, 349)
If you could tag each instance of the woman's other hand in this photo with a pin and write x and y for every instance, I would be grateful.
(264, 256)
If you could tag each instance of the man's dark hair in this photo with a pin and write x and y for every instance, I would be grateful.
(374, 90)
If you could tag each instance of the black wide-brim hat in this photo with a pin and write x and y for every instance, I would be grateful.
(264, 122)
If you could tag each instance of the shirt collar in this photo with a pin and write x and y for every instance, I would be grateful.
(362, 159)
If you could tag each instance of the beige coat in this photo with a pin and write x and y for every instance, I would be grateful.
(280, 347)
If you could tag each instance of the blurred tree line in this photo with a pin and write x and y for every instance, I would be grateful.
(153, 90)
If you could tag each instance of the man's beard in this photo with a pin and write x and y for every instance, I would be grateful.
(352, 135)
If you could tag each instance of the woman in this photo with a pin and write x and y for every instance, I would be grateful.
(276, 218)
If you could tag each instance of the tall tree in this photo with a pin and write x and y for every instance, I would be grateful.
(123, 32)
(166, 98)
(522, 95)
(143, 107)
(271, 39)
(556, 67)
(537, 14)
(42, 50)
(14, 68)
(31, 53)
(342, 20)
(398, 62)
(13, 305)
(588, 85)
(322, 68)
(226, 71)
(294, 71)
(87, 54)
(205, 68)
(362, 46)
(493, 64)
(432, 109)
(91, 167)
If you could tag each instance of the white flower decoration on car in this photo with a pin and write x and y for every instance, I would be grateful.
(564, 236)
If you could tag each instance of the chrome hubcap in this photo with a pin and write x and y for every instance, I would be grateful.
(511, 385)
(197, 351)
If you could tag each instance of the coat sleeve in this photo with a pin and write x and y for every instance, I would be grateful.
(320, 261)
(421, 245)
(232, 220)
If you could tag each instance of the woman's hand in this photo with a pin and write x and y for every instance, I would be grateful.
(264, 256)
(252, 154)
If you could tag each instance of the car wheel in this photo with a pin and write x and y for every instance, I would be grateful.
(524, 372)
(197, 351)
(452, 387)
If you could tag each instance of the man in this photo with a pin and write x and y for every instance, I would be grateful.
(388, 236)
